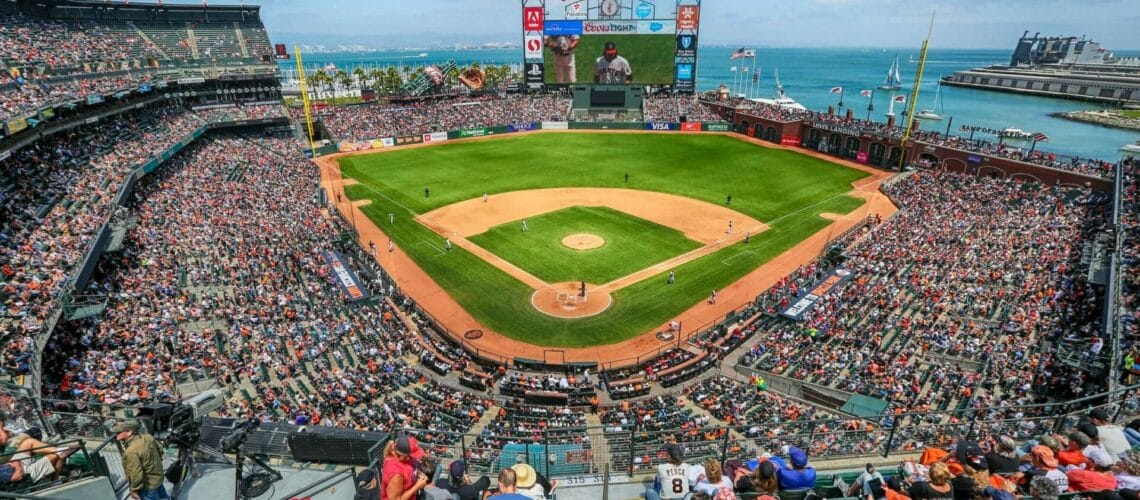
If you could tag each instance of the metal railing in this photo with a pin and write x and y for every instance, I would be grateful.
(80, 464)
(628, 449)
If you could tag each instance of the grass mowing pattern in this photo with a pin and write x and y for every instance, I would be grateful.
(632, 244)
(782, 188)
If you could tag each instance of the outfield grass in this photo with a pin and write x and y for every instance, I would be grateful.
(782, 188)
(632, 244)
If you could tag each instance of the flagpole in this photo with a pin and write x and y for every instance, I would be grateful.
(870, 104)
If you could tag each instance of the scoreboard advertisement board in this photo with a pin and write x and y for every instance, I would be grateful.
(651, 42)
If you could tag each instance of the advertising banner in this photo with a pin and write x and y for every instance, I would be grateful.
(435, 137)
(789, 140)
(467, 132)
(807, 301)
(405, 140)
(609, 28)
(376, 143)
(861, 157)
(5, 154)
(688, 17)
(532, 46)
(532, 18)
(534, 72)
(344, 277)
(717, 127)
(691, 126)
(686, 45)
(655, 28)
(555, 125)
(522, 127)
(660, 126)
(562, 28)
(388, 142)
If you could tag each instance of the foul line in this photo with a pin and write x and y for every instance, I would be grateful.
(398, 204)
(789, 214)
(438, 249)
(725, 261)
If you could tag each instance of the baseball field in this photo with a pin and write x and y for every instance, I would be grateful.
(671, 215)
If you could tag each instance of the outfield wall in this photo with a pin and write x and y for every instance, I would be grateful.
(467, 133)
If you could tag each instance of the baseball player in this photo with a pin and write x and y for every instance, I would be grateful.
(484, 197)
(671, 279)
(447, 244)
(712, 297)
(391, 218)
(562, 47)
(372, 248)
(747, 237)
(611, 68)
(729, 228)
(391, 246)
(524, 228)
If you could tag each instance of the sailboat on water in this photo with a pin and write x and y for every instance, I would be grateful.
(781, 100)
(930, 113)
(893, 80)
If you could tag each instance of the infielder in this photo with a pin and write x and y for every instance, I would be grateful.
(611, 68)
(391, 246)
(562, 47)
(712, 297)
(391, 218)
(729, 228)
(484, 197)
(447, 244)
(524, 228)
(671, 279)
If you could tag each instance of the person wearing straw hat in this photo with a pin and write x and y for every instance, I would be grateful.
(530, 483)
(142, 461)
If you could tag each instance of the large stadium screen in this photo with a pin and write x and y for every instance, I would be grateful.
(602, 41)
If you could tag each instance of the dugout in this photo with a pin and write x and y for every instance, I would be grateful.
(607, 102)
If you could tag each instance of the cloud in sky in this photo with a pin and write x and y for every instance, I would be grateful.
(804, 23)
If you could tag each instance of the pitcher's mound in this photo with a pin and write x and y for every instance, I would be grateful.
(583, 241)
(565, 300)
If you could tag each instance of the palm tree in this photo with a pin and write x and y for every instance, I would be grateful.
(343, 79)
(393, 80)
(377, 77)
(361, 77)
(320, 77)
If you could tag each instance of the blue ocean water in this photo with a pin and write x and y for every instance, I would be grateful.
(808, 74)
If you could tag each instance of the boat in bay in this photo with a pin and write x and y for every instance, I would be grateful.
(893, 80)
(781, 100)
(930, 113)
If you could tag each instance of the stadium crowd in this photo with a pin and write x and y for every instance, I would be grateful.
(55, 61)
(374, 121)
(670, 108)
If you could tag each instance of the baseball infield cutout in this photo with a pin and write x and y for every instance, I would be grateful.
(583, 241)
(715, 226)
(565, 300)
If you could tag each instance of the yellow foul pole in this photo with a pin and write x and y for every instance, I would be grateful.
(910, 121)
(305, 99)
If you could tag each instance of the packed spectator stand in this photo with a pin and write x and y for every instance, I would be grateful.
(71, 57)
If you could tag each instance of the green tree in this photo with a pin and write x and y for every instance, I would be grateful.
(377, 76)
(361, 77)
(344, 80)
(393, 81)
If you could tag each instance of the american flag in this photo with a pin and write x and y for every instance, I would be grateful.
(739, 53)
(899, 98)
(865, 93)
(1040, 137)
(836, 90)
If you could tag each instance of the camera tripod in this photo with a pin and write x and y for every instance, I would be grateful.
(187, 465)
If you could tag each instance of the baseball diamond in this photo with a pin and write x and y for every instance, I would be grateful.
(678, 186)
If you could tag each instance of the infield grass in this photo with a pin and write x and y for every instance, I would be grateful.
(631, 244)
(784, 189)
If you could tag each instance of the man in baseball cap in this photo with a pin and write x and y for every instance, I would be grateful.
(460, 484)
(612, 68)
(407, 445)
(1111, 436)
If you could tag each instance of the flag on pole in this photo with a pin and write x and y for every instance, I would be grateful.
(738, 53)
(1040, 137)
(865, 93)
(836, 90)
(732, 69)
(750, 53)
(899, 98)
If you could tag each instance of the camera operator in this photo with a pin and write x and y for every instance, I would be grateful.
(142, 461)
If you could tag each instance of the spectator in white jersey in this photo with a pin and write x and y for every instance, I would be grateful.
(672, 480)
